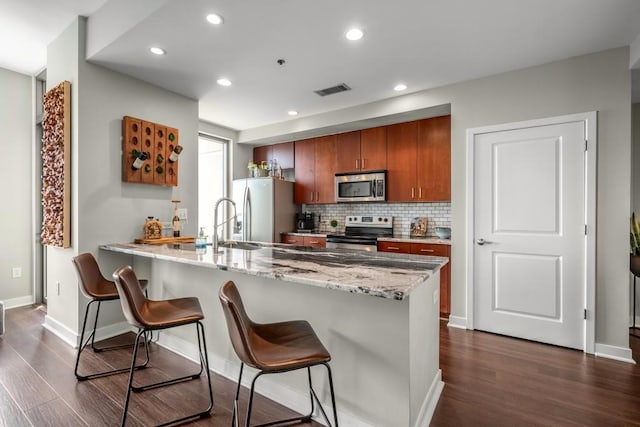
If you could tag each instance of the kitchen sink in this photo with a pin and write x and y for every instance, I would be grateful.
(228, 244)
(240, 245)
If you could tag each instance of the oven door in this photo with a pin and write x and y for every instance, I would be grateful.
(366, 245)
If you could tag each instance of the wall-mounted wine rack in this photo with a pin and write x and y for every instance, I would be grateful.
(158, 141)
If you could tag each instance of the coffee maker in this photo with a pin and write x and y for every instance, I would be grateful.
(304, 222)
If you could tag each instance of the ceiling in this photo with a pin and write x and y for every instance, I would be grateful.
(421, 43)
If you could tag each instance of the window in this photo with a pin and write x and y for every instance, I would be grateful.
(212, 161)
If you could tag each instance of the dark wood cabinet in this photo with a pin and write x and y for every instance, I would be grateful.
(282, 153)
(312, 241)
(315, 161)
(433, 168)
(401, 162)
(427, 249)
(373, 149)
(419, 160)
(364, 150)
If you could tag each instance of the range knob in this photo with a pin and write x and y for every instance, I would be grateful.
(386, 220)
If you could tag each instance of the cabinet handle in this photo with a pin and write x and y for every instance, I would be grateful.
(395, 248)
(357, 164)
(312, 196)
(317, 196)
(313, 242)
(420, 193)
(364, 163)
(413, 193)
(427, 250)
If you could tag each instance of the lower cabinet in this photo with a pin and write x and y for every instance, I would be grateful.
(312, 241)
(429, 249)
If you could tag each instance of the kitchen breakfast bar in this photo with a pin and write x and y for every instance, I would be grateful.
(377, 314)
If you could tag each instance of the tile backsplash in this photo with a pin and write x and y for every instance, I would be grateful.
(438, 214)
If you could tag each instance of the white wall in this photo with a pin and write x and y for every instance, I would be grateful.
(105, 209)
(599, 81)
(16, 122)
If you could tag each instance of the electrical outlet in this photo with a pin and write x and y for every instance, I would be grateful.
(182, 214)
(16, 272)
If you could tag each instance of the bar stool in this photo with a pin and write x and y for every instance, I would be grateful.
(94, 286)
(148, 316)
(273, 348)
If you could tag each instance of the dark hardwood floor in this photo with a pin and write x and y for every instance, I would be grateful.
(490, 381)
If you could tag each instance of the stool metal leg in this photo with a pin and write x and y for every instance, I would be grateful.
(204, 365)
(300, 419)
(83, 345)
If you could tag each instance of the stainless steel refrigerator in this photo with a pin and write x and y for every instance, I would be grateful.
(265, 208)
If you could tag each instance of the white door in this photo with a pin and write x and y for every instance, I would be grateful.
(529, 233)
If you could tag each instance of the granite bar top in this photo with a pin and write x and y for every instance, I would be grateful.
(385, 275)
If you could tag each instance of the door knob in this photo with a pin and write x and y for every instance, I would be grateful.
(481, 242)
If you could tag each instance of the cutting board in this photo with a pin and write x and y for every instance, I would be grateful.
(166, 240)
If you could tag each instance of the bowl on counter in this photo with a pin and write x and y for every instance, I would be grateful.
(443, 232)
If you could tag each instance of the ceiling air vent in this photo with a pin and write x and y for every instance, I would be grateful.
(334, 89)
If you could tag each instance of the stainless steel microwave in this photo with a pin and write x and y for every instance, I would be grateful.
(361, 187)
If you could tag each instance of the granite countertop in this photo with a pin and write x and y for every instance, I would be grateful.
(407, 239)
(385, 275)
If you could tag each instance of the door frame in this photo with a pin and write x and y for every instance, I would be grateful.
(589, 119)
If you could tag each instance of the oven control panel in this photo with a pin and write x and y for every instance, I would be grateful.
(369, 221)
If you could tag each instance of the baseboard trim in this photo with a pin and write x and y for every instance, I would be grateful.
(61, 331)
(284, 395)
(621, 354)
(18, 302)
(112, 330)
(457, 322)
(430, 402)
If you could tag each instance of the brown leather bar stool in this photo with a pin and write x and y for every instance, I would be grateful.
(148, 316)
(273, 348)
(94, 286)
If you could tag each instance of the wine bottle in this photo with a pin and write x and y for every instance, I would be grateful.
(139, 161)
(175, 153)
(176, 223)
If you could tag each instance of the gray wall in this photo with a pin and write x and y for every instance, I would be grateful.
(16, 122)
(635, 192)
(104, 208)
(596, 82)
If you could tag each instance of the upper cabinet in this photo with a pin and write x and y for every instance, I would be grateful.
(419, 160)
(282, 153)
(364, 150)
(315, 161)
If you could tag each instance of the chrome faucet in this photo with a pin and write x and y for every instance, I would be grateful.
(215, 221)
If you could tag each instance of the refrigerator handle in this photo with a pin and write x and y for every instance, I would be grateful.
(246, 208)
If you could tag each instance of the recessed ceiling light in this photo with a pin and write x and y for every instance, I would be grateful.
(157, 51)
(292, 112)
(214, 19)
(400, 87)
(224, 82)
(354, 34)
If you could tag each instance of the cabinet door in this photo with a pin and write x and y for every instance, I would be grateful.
(325, 168)
(315, 242)
(445, 272)
(348, 152)
(262, 154)
(373, 149)
(401, 162)
(292, 239)
(283, 153)
(434, 159)
(398, 247)
(304, 188)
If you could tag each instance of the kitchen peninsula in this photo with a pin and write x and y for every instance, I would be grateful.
(376, 313)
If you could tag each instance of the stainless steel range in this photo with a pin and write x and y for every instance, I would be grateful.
(361, 233)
